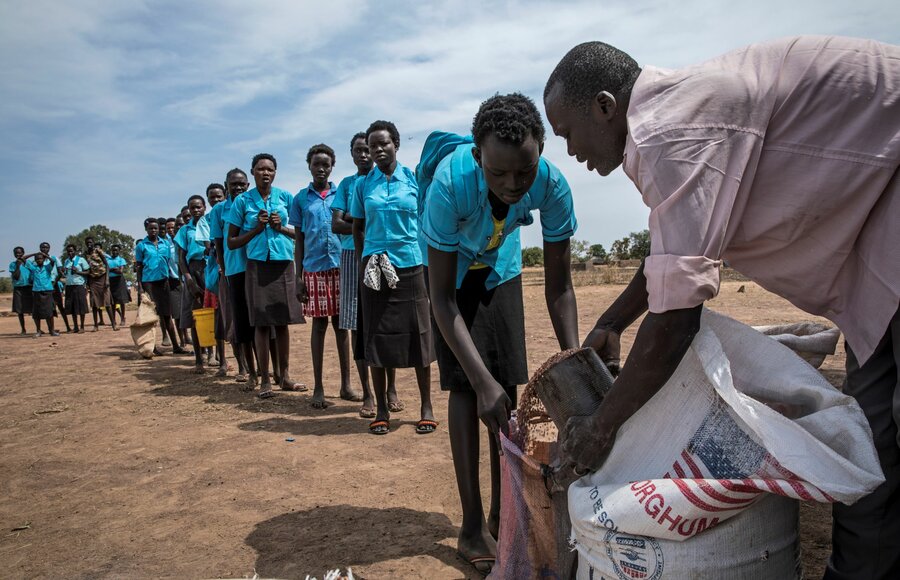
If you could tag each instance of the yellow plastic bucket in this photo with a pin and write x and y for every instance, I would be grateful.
(205, 321)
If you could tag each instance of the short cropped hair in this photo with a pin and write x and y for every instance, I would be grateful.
(512, 118)
(261, 156)
(234, 171)
(212, 186)
(360, 135)
(320, 148)
(592, 67)
(193, 197)
(385, 126)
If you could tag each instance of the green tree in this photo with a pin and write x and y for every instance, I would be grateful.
(6, 285)
(532, 257)
(640, 244)
(107, 237)
(580, 250)
(598, 252)
(621, 249)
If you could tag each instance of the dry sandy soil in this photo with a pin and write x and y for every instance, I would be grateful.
(121, 467)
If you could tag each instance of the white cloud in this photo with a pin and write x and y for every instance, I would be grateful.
(115, 110)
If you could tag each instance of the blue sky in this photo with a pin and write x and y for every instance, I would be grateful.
(111, 111)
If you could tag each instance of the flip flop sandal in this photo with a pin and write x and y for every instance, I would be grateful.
(482, 564)
(379, 427)
(298, 387)
(396, 406)
(426, 426)
(266, 394)
(367, 413)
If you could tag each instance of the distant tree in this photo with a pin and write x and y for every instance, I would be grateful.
(640, 244)
(580, 250)
(598, 252)
(621, 249)
(532, 257)
(107, 237)
(6, 285)
(634, 246)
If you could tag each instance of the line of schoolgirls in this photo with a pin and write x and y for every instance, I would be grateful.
(42, 280)
(418, 266)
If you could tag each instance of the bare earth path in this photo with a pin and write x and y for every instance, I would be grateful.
(126, 468)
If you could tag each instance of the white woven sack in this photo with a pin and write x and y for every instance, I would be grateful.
(709, 445)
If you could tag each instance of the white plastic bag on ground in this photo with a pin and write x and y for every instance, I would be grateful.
(709, 447)
(810, 340)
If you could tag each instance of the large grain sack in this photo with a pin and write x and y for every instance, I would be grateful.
(702, 481)
(810, 340)
(143, 328)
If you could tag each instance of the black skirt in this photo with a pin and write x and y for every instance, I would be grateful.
(189, 302)
(175, 298)
(161, 296)
(118, 287)
(42, 305)
(22, 300)
(271, 288)
(240, 314)
(76, 299)
(397, 322)
(496, 321)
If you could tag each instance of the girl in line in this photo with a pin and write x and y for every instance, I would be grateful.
(192, 266)
(118, 287)
(98, 283)
(395, 309)
(232, 264)
(58, 286)
(342, 224)
(479, 195)
(22, 295)
(317, 257)
(151, 259)
(258, 221)
(43, 277)
(175, 286)
(76, 268)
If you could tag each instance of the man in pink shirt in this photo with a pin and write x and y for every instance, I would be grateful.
(781, 158)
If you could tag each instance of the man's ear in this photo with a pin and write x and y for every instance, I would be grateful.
(476, 153)
(604, 106)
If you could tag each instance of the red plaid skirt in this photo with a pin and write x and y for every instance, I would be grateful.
(324, 293)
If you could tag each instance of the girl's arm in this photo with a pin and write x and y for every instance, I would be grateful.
(560, 294)
(238, 240)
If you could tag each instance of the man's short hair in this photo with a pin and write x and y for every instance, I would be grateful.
(590, 68)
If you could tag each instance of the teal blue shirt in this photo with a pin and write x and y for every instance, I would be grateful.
(342, 202)
(391, 210)
(268, 244)
(186, 239)
(115, 263)
(24, 275)
(235, 260)
(311, 214)
(457, 215)
(155, 259)
(72, 267)
(42, 277)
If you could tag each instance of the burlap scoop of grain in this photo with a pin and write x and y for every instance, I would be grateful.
(143, 329)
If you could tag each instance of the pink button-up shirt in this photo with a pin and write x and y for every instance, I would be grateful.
(780, 158)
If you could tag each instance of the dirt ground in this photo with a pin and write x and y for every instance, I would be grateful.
(117, 467)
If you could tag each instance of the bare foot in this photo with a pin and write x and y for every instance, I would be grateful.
(199, 369)
(318, 400)
(349, 394)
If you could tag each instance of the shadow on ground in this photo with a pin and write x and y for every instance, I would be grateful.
(172, 376)
(310, 542)
(331, 425)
